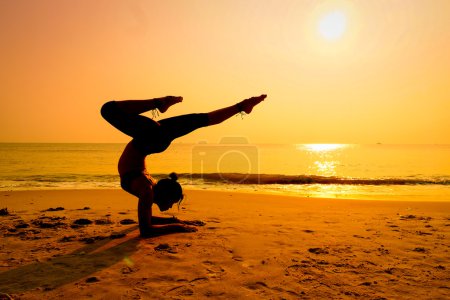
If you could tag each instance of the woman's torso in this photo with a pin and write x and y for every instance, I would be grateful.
(131, 160)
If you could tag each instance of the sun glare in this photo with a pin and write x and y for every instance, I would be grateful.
(322, 147)
(332, 25)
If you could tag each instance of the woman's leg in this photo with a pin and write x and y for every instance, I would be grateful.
(125, 115)
(136, 107)
(178, 126)
(220, 115)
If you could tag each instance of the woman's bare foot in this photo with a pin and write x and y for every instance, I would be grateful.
(167, 102)
(248, 104)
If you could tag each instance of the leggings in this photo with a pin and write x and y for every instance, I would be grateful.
(148, 135)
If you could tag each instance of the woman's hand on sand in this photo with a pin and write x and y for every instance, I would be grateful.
(189, 222)
(187, 228)
(194, 223)
(157, 230)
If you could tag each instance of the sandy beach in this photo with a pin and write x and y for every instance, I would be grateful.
(78, 244)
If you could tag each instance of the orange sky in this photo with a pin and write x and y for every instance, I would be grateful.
(387, 79)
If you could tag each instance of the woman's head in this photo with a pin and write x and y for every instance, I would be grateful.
(167, 192)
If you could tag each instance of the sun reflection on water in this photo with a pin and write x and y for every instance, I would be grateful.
(322, 147)
(325, 168)
(324, 159)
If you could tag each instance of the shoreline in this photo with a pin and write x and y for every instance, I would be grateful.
(253, 246)
(439, 198)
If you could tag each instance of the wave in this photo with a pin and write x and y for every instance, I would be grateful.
(238, 178)
(61, 178)
(229, 178)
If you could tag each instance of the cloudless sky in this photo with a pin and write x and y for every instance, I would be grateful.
(386, 79)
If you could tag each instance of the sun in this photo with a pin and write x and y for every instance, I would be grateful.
(332, 25)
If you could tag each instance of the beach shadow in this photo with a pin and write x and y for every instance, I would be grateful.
(68, 268)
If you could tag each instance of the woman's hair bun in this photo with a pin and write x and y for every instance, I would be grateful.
(173, 176)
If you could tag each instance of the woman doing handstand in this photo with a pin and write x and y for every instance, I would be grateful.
(150, 136)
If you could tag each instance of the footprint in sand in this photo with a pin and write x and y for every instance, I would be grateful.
(166, 248)
(48, 222)
(53, 209)
(21, 224)
(181, 291)
(318, 250)
(419, 249)
(213, 220)
(127, 222)
(199, 280)
(82, 222)
(214, 271)
(237, 258)
(234, 256)
(256, 285)
(392, 226)
(423, 233)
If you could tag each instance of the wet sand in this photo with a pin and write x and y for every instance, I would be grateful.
(78, 244)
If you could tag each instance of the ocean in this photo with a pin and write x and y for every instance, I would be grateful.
(394, 172)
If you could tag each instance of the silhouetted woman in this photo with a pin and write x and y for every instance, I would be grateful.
(150, 136)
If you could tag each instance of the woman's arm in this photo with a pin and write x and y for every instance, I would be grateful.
(145, 213)
(148, 228)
